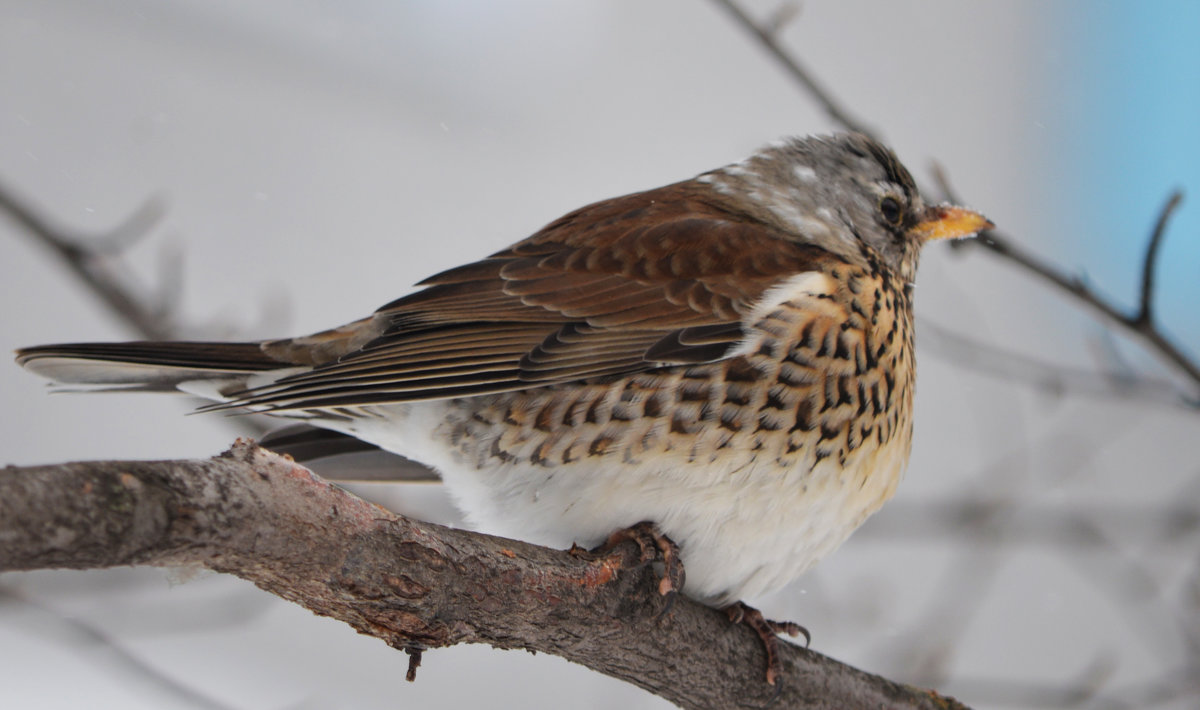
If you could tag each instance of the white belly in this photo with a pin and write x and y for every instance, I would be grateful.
(745, 525)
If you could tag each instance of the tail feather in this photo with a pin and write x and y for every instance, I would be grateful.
(146, 365)
(341, 457)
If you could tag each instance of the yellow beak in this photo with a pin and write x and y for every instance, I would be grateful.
(947, 222)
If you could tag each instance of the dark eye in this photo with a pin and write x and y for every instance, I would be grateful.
(891, 210)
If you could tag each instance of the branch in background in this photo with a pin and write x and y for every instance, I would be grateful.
(1068, 693)
(766, 34)
(1140, 324)
(989, 359)
(414, 585)
(81, 635)
(1145, 314)
(95, 260)
(977, 518)
(92, 260)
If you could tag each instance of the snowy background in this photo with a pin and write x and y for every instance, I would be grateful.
(316, 158)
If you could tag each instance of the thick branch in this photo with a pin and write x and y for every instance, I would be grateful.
(415, 585)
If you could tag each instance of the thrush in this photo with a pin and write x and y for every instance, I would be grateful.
(729, 358)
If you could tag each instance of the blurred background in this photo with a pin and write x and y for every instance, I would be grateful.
(309, 161)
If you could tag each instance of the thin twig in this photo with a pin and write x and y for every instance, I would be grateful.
(84, 635)
(992, 240)
(968, 519)
(95, 260)
(966, 352)
(767, 37)
(88, 259)
(1067, 693)
(1003, 246)
(784, 15)
(1145, 314)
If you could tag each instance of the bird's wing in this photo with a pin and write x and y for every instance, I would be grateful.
(625, 285)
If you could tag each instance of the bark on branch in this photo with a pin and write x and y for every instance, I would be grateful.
(415, 585)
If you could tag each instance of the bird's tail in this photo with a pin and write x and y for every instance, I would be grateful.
(208, 369)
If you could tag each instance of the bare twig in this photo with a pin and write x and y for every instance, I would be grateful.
(992, 240)
(967, 352)
(767, 36)
(1139, 323)
(1145, 314)
(967, 520)
(783, 15)
(415, 585)
(84, 635)
(87, 258)
(1069, 693)
(95, 260)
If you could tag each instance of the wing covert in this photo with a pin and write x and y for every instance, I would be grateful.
(653, 279)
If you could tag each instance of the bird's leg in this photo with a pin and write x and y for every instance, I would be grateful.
(768, 631)
(653, 546)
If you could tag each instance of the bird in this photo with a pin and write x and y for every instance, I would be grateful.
(727, 360)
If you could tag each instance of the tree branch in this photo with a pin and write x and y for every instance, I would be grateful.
(1145, 316)
(415, 585)
(767, 37)
(128, 668)
(90, 260)
(962, 351)
(1000, 245)
(95, 261)
(1139, 323)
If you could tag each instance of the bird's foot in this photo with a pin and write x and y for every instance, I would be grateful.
(653, 546)
(768, 631)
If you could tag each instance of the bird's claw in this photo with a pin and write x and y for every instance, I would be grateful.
(768, 631)
(653, 546)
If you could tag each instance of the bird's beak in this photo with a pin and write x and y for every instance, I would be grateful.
(947, 222)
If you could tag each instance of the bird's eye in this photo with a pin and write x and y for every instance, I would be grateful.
(891, 210)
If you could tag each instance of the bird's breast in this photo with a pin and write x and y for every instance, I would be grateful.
(757, 465)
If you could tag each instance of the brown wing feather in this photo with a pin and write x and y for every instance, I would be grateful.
(625, 285)
(234, 357)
